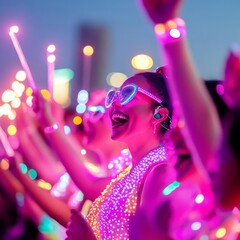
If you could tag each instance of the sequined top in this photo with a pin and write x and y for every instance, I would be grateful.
(110, 213)
(66, 189)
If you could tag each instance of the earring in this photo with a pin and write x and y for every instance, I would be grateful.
(154, 127)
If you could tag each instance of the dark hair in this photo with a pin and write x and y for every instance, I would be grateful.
(222, 108)
(157, 82)
(231, 126)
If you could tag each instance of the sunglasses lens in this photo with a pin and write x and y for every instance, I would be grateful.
(109, 98)
(127, 94)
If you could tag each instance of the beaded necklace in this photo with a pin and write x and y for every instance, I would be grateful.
(110, 213)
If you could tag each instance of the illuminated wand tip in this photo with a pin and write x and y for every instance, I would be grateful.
(13, 29)
(51, 48)
(51, 58)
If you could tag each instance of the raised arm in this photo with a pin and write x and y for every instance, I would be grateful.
(36, 150)
(231, 81)
(54, 207)
(69, 151)
(185, 85)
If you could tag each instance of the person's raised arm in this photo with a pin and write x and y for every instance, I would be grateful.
(69, 151)
(54, 207)
(231, 81)
(185, 84)
(35, 148)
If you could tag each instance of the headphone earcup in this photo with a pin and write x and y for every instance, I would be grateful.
(157, 116)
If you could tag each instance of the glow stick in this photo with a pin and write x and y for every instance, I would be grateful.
(51, 66)
(13, 30)
(8, 148)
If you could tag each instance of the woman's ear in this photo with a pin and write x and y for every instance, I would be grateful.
(160, 113)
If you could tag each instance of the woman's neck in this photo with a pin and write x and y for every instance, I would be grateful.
(139, 150)
(109, 151)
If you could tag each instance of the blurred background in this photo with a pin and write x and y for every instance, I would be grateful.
(117, 31)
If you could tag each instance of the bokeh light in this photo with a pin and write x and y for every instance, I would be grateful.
(170, 188)
(221, 232)
(45, 185)
(21, 76)
(81, 108)
(29, 91)
(67, 129)
(6, 109)
(51, 48)
(204, 237)
(175, 33)
(23, 168)
(83, 152)
(77, 120)
(199, 198)
(4, 164)
(82, 96)
(8, 95)
(61, 86)
(18, 88)
(88, 50)
(12, 115)
(29, 101)
(12, 130)
(32, 174)
(46, 94)
(16, 103)
(51, 58)
(142, 62)
(196, 226)
(116, 79)
(14, 29)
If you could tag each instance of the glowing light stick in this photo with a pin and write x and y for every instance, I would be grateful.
(5, 143)
(12, 33)
(51, 66)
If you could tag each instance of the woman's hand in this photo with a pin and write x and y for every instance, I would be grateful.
(160, 11)
(231, 81)
(78, 228)
(42, 109)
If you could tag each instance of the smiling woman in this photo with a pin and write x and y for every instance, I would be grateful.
(140, 112)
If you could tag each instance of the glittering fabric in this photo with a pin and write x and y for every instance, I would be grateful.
(66, 189)
(110, 213)
(117, 164)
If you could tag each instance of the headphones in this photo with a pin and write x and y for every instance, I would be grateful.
(156, 114)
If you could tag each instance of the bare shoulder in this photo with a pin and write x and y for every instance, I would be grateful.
(157, 179)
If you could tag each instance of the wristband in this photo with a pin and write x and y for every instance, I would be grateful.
(52, 128)
(171, 31)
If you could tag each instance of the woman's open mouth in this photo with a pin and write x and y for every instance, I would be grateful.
(118, 119)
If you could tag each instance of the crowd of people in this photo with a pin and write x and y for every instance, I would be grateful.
(157, 158)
